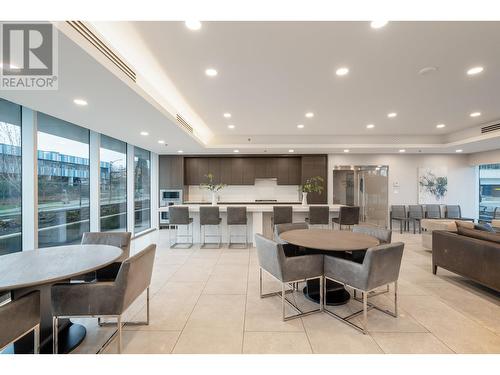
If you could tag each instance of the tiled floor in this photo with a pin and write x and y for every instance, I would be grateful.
(207, 301)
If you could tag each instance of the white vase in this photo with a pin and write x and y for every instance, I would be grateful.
(214, 199)
(304, 199)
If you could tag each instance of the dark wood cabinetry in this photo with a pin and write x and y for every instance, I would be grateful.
(312, 166)
(171, 172)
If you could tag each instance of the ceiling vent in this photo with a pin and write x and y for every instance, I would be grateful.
(184, 123)
(93, 39)
(490, 128)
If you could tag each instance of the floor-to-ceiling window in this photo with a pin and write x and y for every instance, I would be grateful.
(113, 184)
(489, 192)
(10, 178)
(142, 189)
(63, 182)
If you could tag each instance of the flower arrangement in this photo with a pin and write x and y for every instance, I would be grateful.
(313, 185)
(210, 185)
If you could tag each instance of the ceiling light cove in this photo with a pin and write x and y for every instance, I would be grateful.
(402, 150)
(370, 126)
(440, 126)
(392, 114)
(342, 71)
(475, 114)
(309, 115)
(475, 70)
(378, 24)
(227, 115)
(211, 72)
(81, 102)
(231, 126)
(144, 133)
(300, 126)
(193, 25)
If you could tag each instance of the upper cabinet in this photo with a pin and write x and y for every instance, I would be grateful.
(312, 166)
(171, 172)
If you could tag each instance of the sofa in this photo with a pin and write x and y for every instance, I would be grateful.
(430, 225)
(471, 253)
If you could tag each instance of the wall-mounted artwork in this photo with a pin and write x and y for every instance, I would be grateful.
(432, 185)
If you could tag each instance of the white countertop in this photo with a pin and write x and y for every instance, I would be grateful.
(253, 207)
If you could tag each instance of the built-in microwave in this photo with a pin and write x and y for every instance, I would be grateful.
(169, 196)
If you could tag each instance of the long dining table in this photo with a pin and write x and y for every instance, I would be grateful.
(25, 271)
(333, 243)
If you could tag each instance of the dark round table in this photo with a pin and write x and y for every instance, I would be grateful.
(25, 271)
(328, 242)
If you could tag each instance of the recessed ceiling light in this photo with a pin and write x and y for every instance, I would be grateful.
(370, 126)
(378, 24)
(291, 150)
(193, 25)
(161, 142)
(236, 151)
(342, 71)
(428, 70)
(475, 70)
(231, 126)
(211, 72)
(309, 115)
(459, 150)
(180, 151)
(475, 114)
(227, 115)
(346, 150)
(440, 126)
(392, 114)
(300, 126)
(402, 150)
(144, 133)
(81, 102)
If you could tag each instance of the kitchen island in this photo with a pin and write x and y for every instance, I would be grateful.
(259, 218)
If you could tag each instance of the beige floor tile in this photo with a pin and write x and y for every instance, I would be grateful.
(144, 342)
(410, 343)
(224, 312)
(209, 341)
(276, 343)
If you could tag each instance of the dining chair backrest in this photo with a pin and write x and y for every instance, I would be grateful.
(117, 239)
(281, 228)
(319, 215)
(18, 317)
(381, 265)
(349, 215)
(453, 212)
(271, 255)
(236, 215)
(209, 215)
(433, 211)
(282, 214)
(382, 234)
(398, 211)
(134, 276)
(178, 215)
(415, 211)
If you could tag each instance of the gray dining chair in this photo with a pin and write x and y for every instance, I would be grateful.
(290, 249)
(348, 215)
(105, 299)
(433, 211)
(380, 267)
(18, 318)
(288, 270)
(415, 215)
(319, 215)
(455, 212)
(237, 216)
(179, 216)
(210, 216)
(281, 215)
(398, 213)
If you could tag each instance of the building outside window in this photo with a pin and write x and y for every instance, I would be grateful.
(10, 178)
(63, 182)
(113, 184)
(489, 192)
(142, 189)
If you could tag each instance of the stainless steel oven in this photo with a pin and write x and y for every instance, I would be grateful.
(169, 197)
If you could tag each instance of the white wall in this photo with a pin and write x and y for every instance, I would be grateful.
(403, 169)
(487, 157)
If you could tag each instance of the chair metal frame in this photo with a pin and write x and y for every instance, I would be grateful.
(230, 244)
(366, 305)
(203, 235)
(36, 339)
(285, 301)
(118, 332)
(177, 235)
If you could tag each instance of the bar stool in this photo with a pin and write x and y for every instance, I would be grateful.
(210, 216)
(319, 215)
(180, 216)
(348, 215)
(416, 214)
(237, 216)
(281, 215)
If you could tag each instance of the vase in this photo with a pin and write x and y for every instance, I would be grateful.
(304, 199)
(214, 199)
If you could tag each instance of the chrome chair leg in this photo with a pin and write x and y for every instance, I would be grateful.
(36, 343)
(283, 301)
(365, 312)
(55, 334)
(119, 334)
(395, 298)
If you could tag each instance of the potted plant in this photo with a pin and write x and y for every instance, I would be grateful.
(214, 188)
(312, 185)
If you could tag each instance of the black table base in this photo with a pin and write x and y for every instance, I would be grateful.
(335, 293)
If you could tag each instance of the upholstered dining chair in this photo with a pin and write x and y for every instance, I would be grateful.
(281, 215)
(433, 211)
(455, 212)
(289, 249)
(416, 214)
(380, 267)
(383, 235)
(319, 215)
(105, 299)
(398, 213)
(18, 318)
(287, 270)
(348, 215)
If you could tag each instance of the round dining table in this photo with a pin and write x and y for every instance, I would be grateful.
(333, 243)
(26, 271)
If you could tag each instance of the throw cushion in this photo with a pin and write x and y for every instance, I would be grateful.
(486, 227)
(479, 234)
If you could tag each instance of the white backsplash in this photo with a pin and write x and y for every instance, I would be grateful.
(265, 188)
